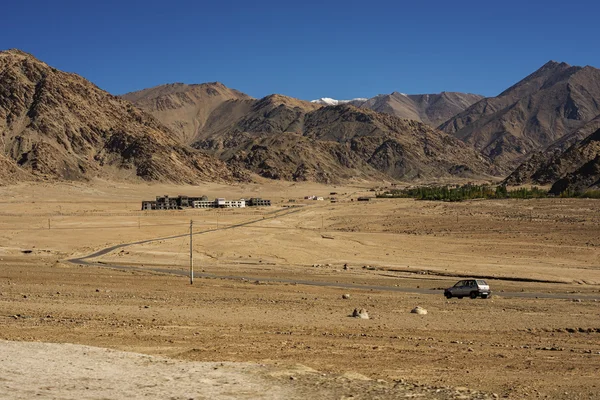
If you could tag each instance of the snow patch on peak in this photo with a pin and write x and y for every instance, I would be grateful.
(333, 102)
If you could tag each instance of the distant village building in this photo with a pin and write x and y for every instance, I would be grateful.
(313, 198)
(364, 199)
(181, 202)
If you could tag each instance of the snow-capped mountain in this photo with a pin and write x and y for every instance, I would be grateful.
(333, 102)
(433, 109)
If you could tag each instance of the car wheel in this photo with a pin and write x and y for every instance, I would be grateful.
(474, 295)
(460, 297)
(448, 296)
(484, 296)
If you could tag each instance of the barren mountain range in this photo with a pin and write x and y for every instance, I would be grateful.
(57, 125)
(284, 138)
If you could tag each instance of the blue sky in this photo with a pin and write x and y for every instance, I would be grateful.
(307, 49)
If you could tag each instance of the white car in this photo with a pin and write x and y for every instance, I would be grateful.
(473, 288)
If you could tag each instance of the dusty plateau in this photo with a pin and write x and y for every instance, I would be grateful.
(267, 301)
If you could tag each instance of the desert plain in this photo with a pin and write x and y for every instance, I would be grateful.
(271, 301)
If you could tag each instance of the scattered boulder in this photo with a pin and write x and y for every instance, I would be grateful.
(362, 313)
(419, 310)
(345, 296)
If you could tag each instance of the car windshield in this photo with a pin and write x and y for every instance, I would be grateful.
(461, 283)
(481, 282)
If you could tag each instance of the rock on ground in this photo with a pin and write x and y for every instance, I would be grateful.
(419, 310)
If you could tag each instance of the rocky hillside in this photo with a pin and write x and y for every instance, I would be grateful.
(58, 125)
(529, 116)
(10, 172)
(584, 178)
(560, 158)
(284, 138)
(575, 169)
(184, 108)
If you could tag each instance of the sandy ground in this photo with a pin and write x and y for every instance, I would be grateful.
(514, 347)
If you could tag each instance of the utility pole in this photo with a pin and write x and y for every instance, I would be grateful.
(191, 253)
(48, 223)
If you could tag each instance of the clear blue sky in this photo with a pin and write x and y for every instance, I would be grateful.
(305, 49)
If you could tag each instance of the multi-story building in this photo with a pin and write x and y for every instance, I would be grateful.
(180, 202)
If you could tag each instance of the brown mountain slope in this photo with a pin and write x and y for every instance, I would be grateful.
(184, 108)
(584, 178)
(578, 167)
(59, 125)
(547, 167)
(432, 109)
(532, 114)
(10, 172)
(280, 137)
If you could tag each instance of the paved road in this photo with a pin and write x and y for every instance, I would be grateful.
(85, 260)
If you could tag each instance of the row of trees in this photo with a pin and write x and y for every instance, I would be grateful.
(465, 192)
(588, 194)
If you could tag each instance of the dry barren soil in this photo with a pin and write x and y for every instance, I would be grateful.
(279, 319)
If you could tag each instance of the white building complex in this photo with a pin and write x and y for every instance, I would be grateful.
(181, 202)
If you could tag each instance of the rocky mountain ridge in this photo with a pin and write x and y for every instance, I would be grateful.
(432, 109)
(562, 157)
(184, 108)
(539, 110)
(280, 137)
(284, 138)
(57, 125)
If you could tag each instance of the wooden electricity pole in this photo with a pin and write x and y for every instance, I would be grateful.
(191, 253)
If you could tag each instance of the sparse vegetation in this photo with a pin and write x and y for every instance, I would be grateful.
(465, 192)
(588, 194)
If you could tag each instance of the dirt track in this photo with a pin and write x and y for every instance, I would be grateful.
(519, 348)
